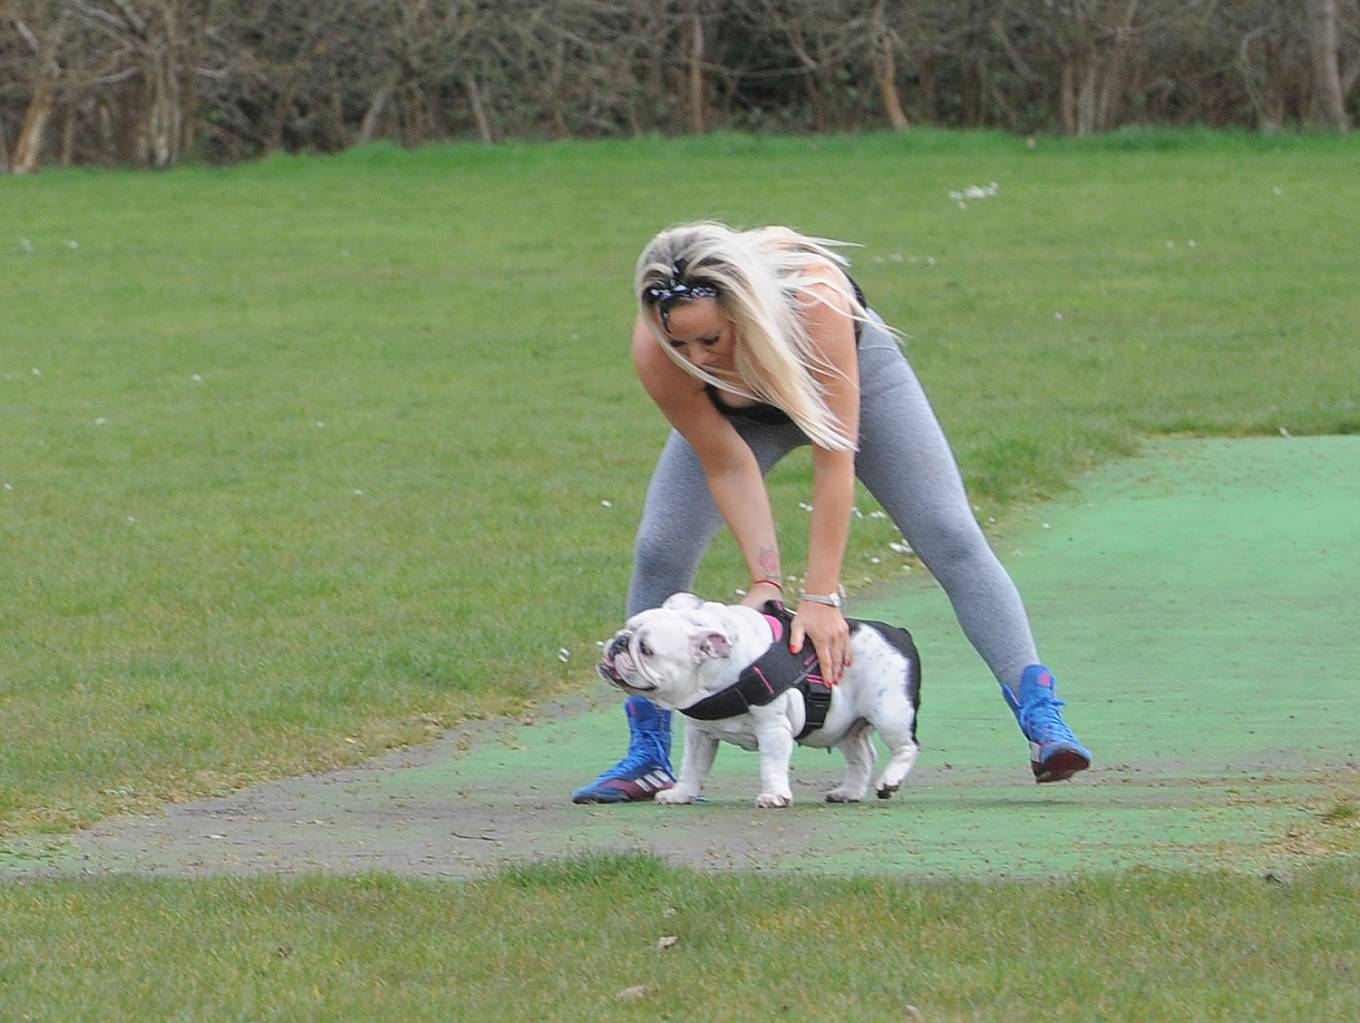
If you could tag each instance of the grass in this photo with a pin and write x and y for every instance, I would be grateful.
(307, 459)
(579, 941)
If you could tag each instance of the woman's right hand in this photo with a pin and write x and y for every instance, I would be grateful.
(760, 593)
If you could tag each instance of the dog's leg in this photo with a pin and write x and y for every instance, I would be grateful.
(894, 723)
(700, 750)
(774, 738)
(859, 752)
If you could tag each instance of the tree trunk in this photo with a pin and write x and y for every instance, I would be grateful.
(696, 76)
(1328, 100)
(368, 127)
(885, 70)
(1067, 100)
(1086, 99)
(887, 87)
(478, 111)
(68, 134)
(28, 148)
(1111, 89)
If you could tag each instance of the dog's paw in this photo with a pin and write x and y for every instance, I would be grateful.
(886, 791)
(773, 800)
(673, 797)
(843, 795)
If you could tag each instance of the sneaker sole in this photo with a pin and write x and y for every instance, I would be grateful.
(605, 801)
(1059, 767)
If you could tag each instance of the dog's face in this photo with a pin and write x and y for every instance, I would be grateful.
(671, 654)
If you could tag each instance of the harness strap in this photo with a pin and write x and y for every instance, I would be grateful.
(774, 672)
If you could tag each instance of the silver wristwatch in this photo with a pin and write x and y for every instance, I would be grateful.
(829, 599)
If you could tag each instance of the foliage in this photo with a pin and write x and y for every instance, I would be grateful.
(150, 83)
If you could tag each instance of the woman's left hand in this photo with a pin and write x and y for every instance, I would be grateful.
(830, 635)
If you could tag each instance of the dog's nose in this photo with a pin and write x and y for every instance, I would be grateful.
(619, 645)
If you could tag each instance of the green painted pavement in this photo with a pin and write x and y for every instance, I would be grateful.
(1199, 605)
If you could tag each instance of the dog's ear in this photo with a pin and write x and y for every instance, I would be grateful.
(709, 644)
(682, 602)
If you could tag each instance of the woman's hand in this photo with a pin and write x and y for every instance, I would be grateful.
(830, 635)
(760, 593)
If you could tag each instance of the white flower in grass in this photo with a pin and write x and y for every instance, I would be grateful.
(320, 424)
(37, 372)
(1284, 432)
(738, 591)
(900, 548)
(1277, 190)
(606, 504)
(563, 654)
(358, 492)
(878, 259)
(1057, 316)
(880, 514)
(805, 506)
(875, 561)
(30, 248)
(131, 520)
(198, 378)
(930, 260)
(72, 244)
(9, 486)
(896, 257)
(1191, 243)
(101, 421)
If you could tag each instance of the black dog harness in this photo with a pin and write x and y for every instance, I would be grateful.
(774, 672)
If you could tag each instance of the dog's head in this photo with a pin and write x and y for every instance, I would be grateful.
(678, 652)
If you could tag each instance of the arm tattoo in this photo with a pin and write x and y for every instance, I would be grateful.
(769, 563)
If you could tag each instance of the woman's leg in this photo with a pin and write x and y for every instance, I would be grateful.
(679, 522)
(905, 461)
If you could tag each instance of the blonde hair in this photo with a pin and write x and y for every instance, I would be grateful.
(762, 280)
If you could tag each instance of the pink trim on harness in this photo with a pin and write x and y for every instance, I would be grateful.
(776, 627)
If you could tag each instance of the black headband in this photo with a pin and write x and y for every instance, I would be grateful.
(666, 294)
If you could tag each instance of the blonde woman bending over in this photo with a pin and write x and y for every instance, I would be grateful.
(753, 343)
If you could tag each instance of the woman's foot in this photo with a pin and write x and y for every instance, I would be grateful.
(645, 769)
(1055, 753)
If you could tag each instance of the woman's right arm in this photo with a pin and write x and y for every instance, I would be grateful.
(730, 466)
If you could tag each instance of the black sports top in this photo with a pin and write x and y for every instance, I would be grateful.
(763, 412)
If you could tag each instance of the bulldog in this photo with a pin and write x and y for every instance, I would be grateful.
(728, 669)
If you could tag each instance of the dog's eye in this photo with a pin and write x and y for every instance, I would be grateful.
(644, 649)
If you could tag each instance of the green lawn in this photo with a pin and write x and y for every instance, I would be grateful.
(583, 940)
(310, 458)
(306, 459)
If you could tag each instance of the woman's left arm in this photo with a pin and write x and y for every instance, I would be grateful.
(832, 332)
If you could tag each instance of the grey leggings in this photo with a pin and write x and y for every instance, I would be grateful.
(905, 462)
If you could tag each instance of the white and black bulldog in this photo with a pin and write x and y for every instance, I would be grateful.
(728, 669)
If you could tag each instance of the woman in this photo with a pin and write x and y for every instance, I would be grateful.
(753, 343)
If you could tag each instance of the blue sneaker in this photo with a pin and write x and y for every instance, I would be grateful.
(1055, 754)
(646, 768)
